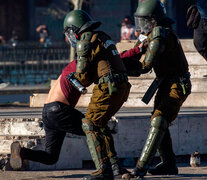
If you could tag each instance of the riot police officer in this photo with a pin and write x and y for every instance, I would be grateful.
(165, 56)
(98, 62)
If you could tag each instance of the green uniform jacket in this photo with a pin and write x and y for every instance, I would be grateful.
(164, 54)
(96, 56)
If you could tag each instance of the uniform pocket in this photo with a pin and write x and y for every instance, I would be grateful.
(54, 108)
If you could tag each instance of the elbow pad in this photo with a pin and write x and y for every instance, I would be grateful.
(83, 52)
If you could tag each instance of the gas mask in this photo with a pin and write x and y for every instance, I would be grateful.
(72, 37)
(144, 24)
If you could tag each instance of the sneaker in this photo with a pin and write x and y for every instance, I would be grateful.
(15, 159)
(3, 85)
(164, 169)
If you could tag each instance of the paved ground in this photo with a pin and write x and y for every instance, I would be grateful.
(185, 173)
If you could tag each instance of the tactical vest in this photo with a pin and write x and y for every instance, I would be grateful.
(104, 56)
(172, 62)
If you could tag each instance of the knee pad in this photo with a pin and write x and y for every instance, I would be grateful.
(159, 123)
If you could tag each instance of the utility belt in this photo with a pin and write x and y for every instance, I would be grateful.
(183, 81)
(177, 79)
(119, 78)
(185, 78)
(113, 81)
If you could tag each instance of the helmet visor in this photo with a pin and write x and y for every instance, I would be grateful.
(144, 24)
(71, 36)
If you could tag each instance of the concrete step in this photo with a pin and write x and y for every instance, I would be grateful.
(187, 45)
(195, 99)
(140, 85)
(197, 68)
(135, 100)
(196, 71)
(194, 58)
(188, 134)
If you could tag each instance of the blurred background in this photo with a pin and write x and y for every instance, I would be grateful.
(30, 56)
(33, 49)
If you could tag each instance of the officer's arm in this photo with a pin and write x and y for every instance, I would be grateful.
(131, 61)
(83, 57)
(155, 49)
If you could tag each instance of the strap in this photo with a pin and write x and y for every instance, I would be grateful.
(151, 90)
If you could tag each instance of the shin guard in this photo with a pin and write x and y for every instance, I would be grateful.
(95, 142)
(155, 136)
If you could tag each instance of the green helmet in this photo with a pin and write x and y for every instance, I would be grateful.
(78, 21)
(149, 14)
(151, 8)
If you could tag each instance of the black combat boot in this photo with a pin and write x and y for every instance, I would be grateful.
(118, 170)
(167, 166)
(138, 172)
(15, 158)
(105, 173)
(164, 168)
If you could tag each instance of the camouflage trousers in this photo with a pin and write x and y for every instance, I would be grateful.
(101, 108)
(169, 98)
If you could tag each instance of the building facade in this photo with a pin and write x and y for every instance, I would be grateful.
(23, 16)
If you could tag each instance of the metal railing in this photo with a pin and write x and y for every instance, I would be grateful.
(32, 63)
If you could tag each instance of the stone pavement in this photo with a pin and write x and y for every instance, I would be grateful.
(185, 173)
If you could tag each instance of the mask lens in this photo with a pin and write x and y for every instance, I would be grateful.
(144, 25)
(137, 25)
(71, 36)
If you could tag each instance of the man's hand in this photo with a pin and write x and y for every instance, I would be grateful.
(143, 47)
